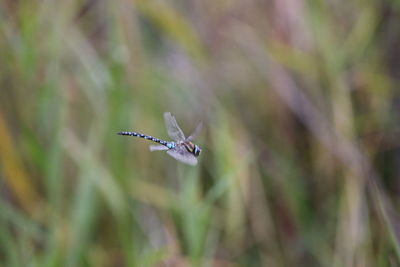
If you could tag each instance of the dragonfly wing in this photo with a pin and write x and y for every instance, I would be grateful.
(172, 127)
(158, 148)
(183, 155)
(196, 131)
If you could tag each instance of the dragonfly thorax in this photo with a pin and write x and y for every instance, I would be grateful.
(190, 147)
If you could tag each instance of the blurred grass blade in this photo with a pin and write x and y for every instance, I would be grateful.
(15, 175)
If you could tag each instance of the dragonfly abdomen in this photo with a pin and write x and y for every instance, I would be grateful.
(147, 137)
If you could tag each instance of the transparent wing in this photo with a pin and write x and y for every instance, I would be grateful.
(181, 154)
(172, 127)
(196, 131)
(158, 148)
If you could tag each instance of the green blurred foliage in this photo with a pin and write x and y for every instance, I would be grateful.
(301, 155)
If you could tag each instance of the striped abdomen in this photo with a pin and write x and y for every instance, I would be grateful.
(147, 137)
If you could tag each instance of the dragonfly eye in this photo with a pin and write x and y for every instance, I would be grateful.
(196, 150)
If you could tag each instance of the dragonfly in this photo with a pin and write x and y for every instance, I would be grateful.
(181, 148)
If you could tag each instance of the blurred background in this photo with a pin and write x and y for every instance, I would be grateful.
(301, 151)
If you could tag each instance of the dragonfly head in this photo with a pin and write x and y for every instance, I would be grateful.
(196, 150)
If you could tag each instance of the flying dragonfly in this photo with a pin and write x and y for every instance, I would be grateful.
(181, 148)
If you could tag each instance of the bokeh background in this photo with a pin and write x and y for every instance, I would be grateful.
(301, 152)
